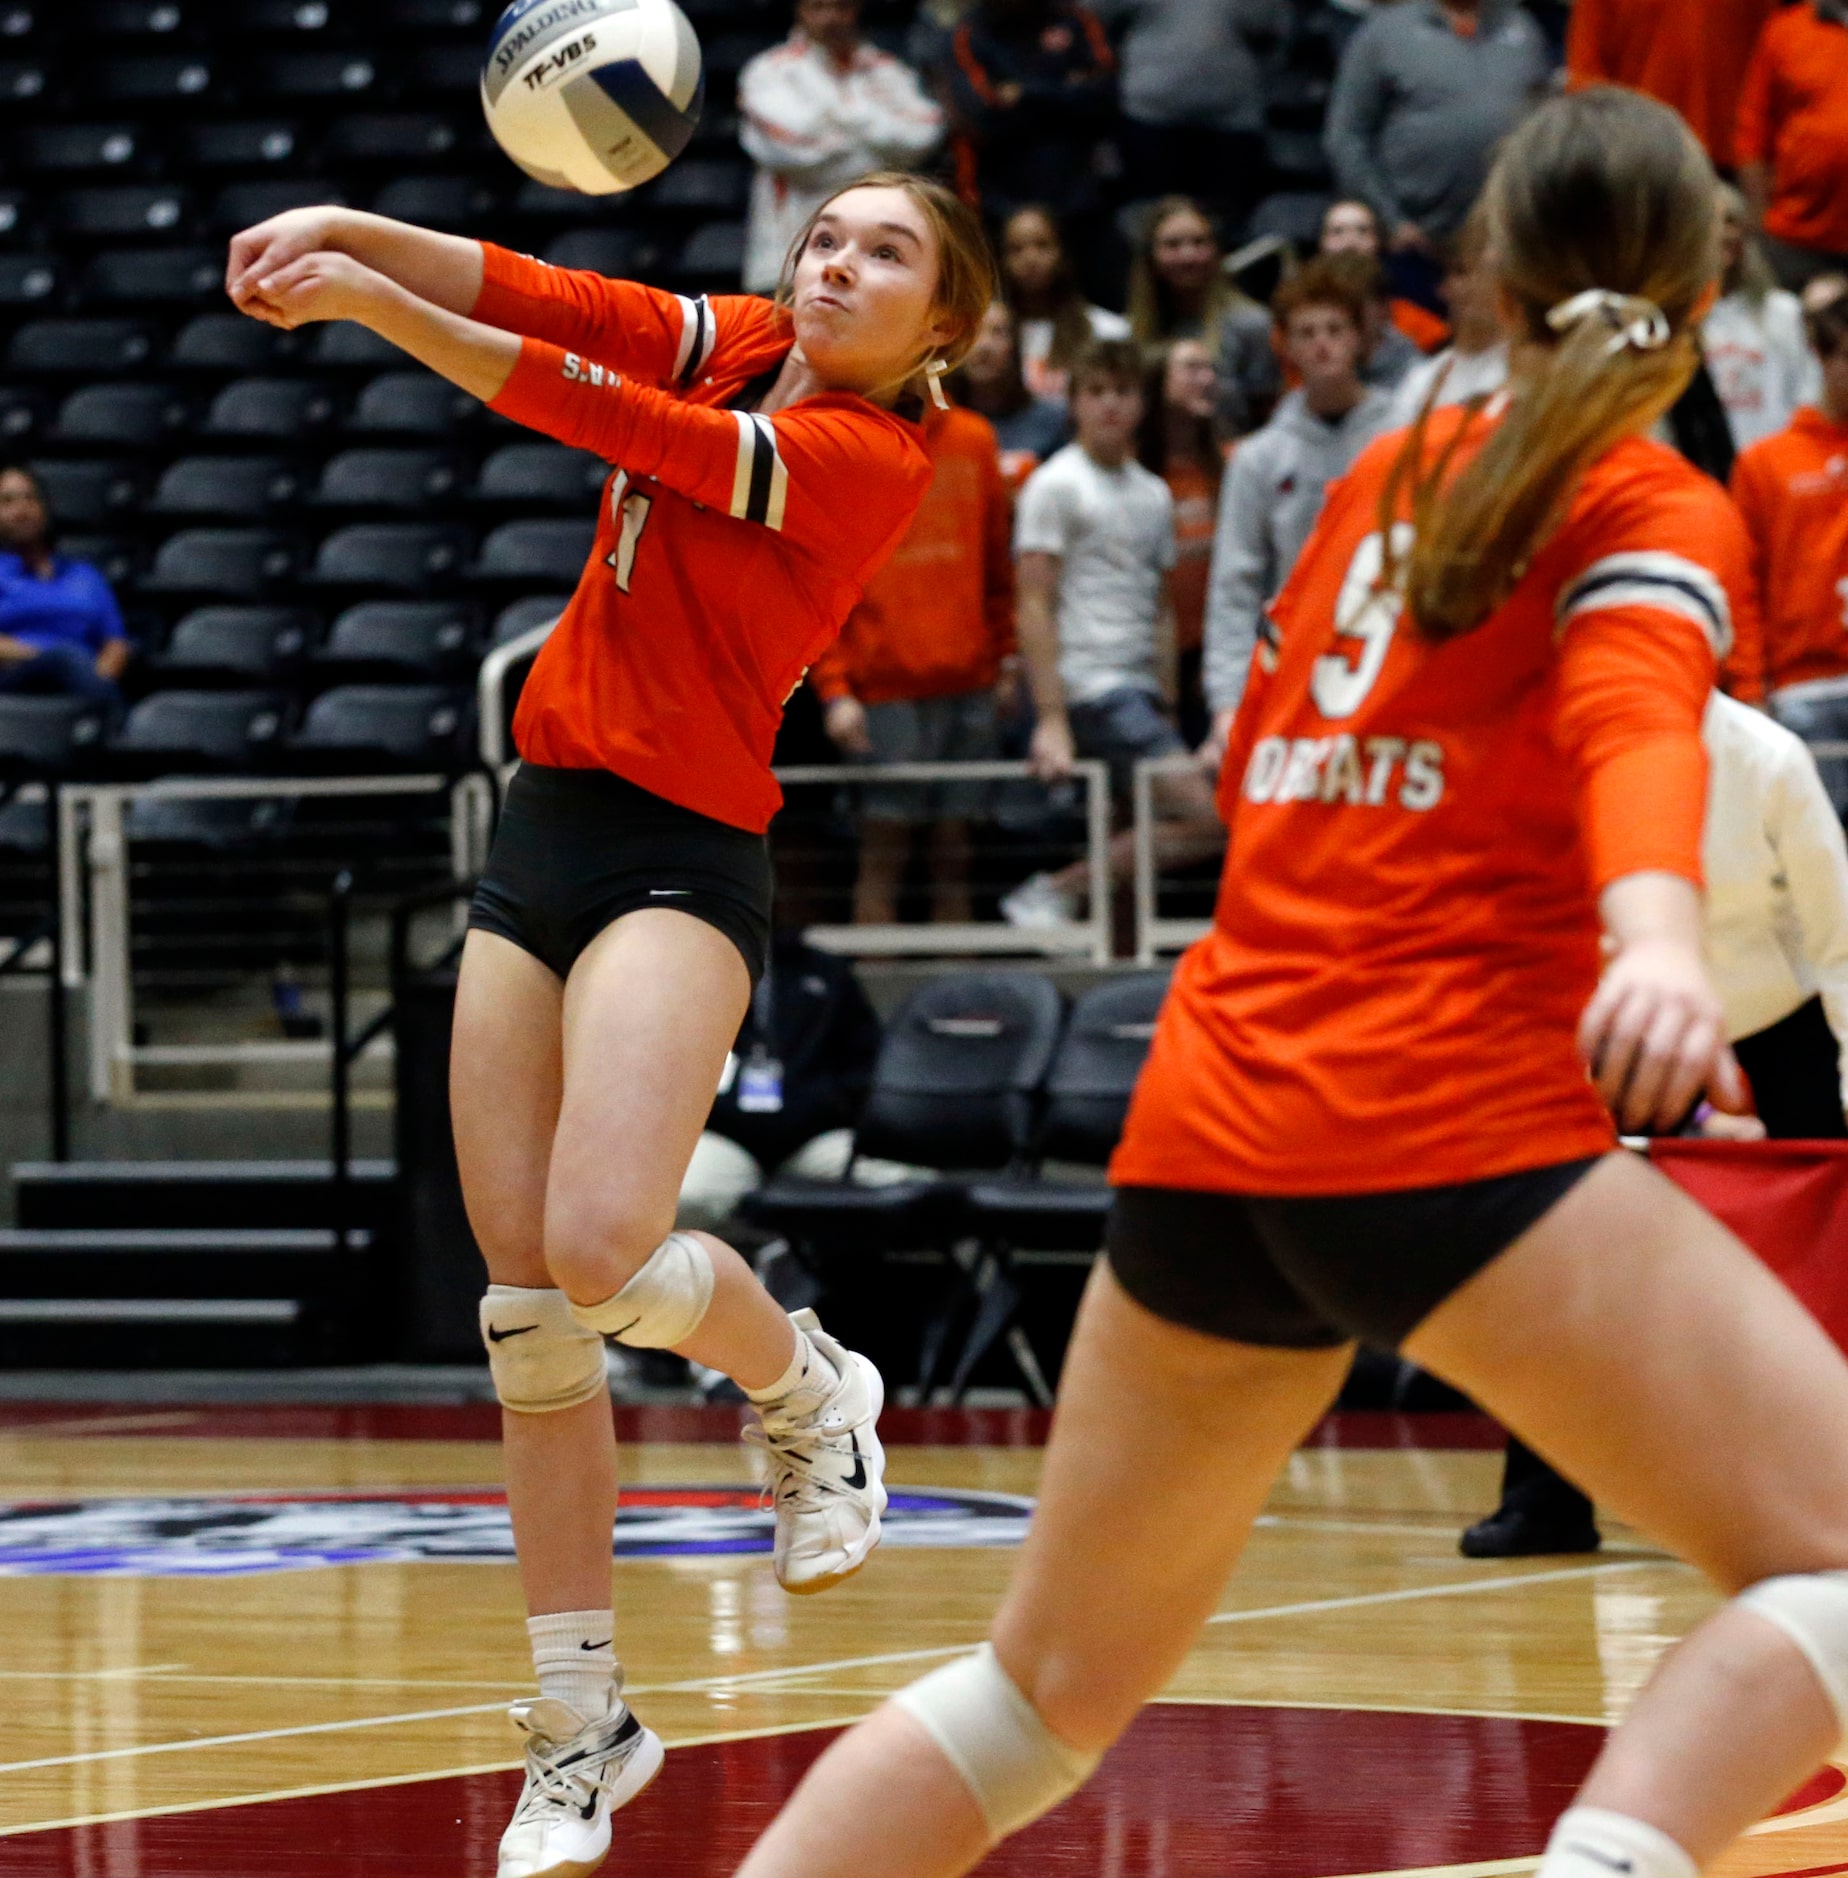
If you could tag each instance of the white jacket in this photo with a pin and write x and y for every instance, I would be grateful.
(1777, 876)
(1761, 362)
(812, 126)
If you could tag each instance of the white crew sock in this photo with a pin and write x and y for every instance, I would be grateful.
(1589, 1842)
(575, 1655)
(808, 1381)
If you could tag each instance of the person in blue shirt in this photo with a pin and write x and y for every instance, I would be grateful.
(60, 629)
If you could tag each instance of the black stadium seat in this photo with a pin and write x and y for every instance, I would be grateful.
(275, 409)
(541, 475)
(433, 640)
(80, 149)
(345, 345)
(364, 728)
(88, 348)
(411, 404)
(228, 488)
(137, 19)
(161, 276)
(308, 75)
(241, 205)
(47, 737)
(238, 563)
(704, 185)
(15, 207)
(27, 280)
(22, 82)
(450, 203)
(431, 16)
(254, 144)
(517, 620)
(535, 201)
(87, 494)
(618, 252)
(117, 558)
(230, 342)
(116, 213)
(397, 138)
(21, 414)
(551, 553)
(283, 19)
(391, 557)
(245, 645)
(435, 71)
(407, 481)
(135, 415)
(180, 79)
(179, 731)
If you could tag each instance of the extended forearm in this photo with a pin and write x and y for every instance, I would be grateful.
(480, 359)
(1659, 907)
(442, 270)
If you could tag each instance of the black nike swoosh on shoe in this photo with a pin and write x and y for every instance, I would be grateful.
(604, 1645)
(1603, 1858)
(858, 1477)
(501, 1336)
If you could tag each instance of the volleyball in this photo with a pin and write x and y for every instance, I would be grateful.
(593, 95)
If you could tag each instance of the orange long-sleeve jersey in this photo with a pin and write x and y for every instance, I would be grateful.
(730, 547)
(938, 618)
(1407, 928)
(1692, 54)
(1793, 115)
(1792, 490)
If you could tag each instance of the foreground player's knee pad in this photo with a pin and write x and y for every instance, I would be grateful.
(541, 1357)
(663, 1304)
(1013, 1764)
(1812, 1611)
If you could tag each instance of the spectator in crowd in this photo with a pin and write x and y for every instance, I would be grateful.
(1180, 443)
(1094, 547)
(1692, 54)
(1793, 492)
(794, 1085)
(814, 113)
(1424, 92)
(1055, 321)
(1033, 87)
(60, 629)
(990, 381)
(912, 677)
(1776, 867)
(1386, 355)
(1756, 347)
(1475, 365)
(1351, 227)
(1178, 290)
(1791, 144)
(1274, 485)
(1193, 98)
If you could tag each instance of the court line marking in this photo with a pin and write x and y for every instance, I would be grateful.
(99, 1424)
(719, 1685)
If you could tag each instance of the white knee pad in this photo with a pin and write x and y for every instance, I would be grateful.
(1812, 1611)
(663, 1304)
(541, 1357)
(1013, 1764)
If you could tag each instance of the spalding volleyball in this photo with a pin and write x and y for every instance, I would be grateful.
(594, 95)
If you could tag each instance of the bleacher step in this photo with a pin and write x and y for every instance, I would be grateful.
(211, 1195)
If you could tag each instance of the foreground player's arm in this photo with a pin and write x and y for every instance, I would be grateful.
(445, 270)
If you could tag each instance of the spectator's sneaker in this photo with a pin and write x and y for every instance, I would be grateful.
(1038, 902)
(827, 1471)
(577, 1774)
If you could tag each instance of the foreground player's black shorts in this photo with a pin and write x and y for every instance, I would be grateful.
(578, 848)
(1316, 1273)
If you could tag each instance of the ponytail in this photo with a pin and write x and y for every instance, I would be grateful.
(1602, 227)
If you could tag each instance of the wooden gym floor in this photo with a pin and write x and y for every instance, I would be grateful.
(278, 1642)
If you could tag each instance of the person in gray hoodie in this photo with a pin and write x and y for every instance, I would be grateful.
(1273, 487)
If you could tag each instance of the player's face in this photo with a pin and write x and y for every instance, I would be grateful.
(1323, 344)
(22, 512)
(865, 289)
(1350, 229)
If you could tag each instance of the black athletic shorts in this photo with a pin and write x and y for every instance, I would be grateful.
(578, 848)
(1312, 1274)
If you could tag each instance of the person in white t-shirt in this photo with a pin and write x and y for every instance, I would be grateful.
(1094, 548)
(815, 112)
(1758, 352)
(1055, 321)
(1475, 363)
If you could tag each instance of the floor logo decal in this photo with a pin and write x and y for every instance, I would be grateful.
(227, 1535)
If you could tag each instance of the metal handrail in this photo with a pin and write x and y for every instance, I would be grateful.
(490, 690)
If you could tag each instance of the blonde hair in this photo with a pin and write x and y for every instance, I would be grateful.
(1151, 313)
(1601, 216)
(966, 280)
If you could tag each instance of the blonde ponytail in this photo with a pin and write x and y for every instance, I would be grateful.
(1602, 229)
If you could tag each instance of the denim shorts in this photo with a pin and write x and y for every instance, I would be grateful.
(958, 729)
(1122, 728)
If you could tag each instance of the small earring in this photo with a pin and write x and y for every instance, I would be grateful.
(933, 376)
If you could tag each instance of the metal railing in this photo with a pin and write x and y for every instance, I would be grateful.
(16, 955)
(491, 692)
(1154, 934)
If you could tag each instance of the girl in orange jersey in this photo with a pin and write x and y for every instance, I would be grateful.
(765, 469)
(1472, 761)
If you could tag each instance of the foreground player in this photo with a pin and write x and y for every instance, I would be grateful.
(1432, 807)
(624, 914)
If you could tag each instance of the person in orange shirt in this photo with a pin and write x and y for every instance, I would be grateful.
(1791, 143)
(764, 472)
(912, 677)
(1792, 490)
(1692, 54)
(1461, 912)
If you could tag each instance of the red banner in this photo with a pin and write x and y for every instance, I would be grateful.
(1788, 1200)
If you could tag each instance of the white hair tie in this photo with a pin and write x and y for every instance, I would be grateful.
(1635, 323)
(933, 376)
